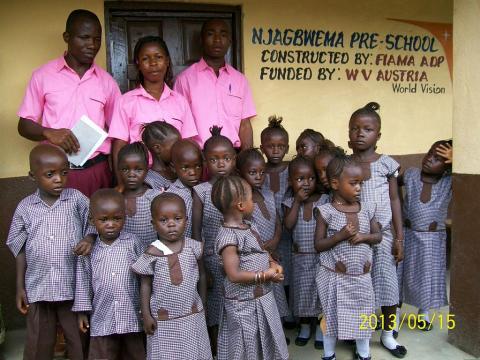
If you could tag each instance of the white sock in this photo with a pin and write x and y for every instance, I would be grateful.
(363, 347)
(304, 331)
(388, 340)
(329, 343)
(424, 314)
(318, 334)
(397, 319)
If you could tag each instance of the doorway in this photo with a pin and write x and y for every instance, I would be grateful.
(178, 24)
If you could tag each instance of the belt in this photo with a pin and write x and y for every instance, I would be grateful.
(89, 163)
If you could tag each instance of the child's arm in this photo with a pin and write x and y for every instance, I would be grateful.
(396, 206)
(149, 323)
(197, 214)
(291, 214)
(373, 238)
(272, 244)
(231, 263)
(202, 283)
(324, 243)
(445, 151)
(83, 292)
(84, 246)
(21, 295)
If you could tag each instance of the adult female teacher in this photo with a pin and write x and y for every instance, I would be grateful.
(152, 99)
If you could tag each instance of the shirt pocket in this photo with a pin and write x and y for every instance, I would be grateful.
(233, 103)
(95, 104)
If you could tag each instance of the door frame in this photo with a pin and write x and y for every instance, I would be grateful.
(155, 9)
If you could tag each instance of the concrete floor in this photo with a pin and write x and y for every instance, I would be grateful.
(420, 345)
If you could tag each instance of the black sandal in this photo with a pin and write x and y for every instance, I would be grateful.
(399, 352)
(329, 357)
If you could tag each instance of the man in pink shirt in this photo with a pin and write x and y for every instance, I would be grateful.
(63, 90)
(218, 94)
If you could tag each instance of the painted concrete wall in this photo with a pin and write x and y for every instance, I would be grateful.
(30, 33)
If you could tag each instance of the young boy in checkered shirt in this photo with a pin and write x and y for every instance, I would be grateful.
(107, 290)
(46, 229)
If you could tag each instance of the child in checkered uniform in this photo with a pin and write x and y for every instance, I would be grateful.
(380, 187)
(45, 229)
(299, 219)
(428, 192)
(107, 290)
(159, 137)
(171, 271)
(132, 167)
(250, 326)
(344, 233)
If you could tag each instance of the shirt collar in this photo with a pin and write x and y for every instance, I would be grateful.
(64, 195)
(122, 236)
(202, 65)
(62, 64)
(140, 91)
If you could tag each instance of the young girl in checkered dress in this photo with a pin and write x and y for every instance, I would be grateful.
(345, 231)
(380, 187)
(427, 194)
(299, 219)
(251, 165)
(274, 145)
(250, 326)
(159, 137)
(171, 271)
(220, 157)
(132, 166)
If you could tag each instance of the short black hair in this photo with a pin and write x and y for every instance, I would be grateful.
(246, 155)
(185, 144)
(227, 190)
(137, 148)
(338, 164)
(300, 160)
(101, 195)
(77, 15)
(217, 138)
(274, 126)
(163, 45)
(158, 130)
(206, 22)
(167, 196)
(311, 134)
(371, 109)
(333, 151)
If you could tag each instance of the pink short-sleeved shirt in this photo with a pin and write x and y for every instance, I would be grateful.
(56, 97)
(137, 107)
(224, 100)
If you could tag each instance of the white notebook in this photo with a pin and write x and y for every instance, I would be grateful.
(90, 136)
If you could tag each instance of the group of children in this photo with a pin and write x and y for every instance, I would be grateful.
(217, 268)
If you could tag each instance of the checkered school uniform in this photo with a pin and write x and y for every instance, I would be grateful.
(375, 189)
(157, 181)
(278, 184)
(250, 326)
(265, 225)
(176, 305)
(347, 296)
(108, 289)
(185, 193)
(140, 223)
(424, 267)
(49, 235)
(304, 260)
(211, 222)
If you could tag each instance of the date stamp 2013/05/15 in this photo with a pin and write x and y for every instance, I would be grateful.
(411, 321)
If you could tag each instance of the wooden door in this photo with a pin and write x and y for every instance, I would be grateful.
(178, 24)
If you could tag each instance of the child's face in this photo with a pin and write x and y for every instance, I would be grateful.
(348, 186)
(189, 166)
(153, 62)
(220, 160)
(321, 163)
(307, 148)
(216, 39)
(169, 220)
(303, 179)
(254, 173)
(108, 217)
(132, 171)
(163, 149)
(84, 41)
(432, 163)
(364, 132)
(50, 174)
(275, 146)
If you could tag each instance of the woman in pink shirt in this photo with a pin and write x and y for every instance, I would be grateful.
(152, 100)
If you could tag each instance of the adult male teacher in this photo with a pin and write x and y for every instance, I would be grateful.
(66, 88)
(218, 94)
